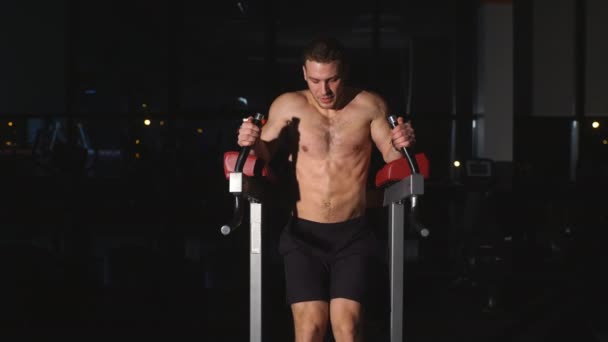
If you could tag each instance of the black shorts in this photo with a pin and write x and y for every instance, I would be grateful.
(328, 260)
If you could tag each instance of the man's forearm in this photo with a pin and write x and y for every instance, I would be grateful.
(391, 153)
(263, 149)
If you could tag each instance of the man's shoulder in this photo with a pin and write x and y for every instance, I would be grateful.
(368, 96)
(287, 103)
(370, 100)
(297, 96)
(290, 100)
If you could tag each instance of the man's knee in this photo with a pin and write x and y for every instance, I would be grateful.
(346, 329)
(310, 320)
(346, 320)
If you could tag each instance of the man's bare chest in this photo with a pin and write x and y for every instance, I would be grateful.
(320, 137)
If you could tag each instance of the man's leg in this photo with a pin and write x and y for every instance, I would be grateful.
(346, 320)
(307, 291)
(351, 278)
(310, 320)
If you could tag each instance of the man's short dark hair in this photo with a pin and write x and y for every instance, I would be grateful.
(324, 50)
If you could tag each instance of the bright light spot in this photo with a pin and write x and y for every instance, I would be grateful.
(605, 142)
(10, 124)
(474, 123)
(137, 155)
(162, 122)
(595, 124)
(137, 141)
(8, 143)
(147, 122)
(199, 130)
(242, 100)
(144, 105)
(456, 163)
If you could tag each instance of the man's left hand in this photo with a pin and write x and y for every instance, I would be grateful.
(402, 135)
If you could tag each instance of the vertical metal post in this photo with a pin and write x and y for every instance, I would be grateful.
(454, 114)
(255, 273)
(453, 139)
(396, 239)
(574, 149)
(580, 82)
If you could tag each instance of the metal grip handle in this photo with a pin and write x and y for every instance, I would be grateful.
(237, 215)
(242, 158)
(413, 221)
(392, 120)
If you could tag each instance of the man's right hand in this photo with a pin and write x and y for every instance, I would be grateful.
(249, 133)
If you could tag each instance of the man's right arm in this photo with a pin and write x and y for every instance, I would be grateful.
(264, 141)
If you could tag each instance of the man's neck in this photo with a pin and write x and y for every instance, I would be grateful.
(327, 112)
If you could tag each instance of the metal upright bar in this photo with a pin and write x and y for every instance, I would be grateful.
(396, 238)
(394, 196)
(255, 273)
(237, 184)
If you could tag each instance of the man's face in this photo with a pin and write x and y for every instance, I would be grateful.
(324, 82)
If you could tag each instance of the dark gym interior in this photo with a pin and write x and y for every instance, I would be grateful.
(115, 117)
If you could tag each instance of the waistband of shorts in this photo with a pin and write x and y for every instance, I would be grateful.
(361, 220)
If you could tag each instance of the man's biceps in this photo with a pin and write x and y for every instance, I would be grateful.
(269, 134)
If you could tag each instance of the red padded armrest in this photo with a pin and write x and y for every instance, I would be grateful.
(399, 169)
(253, 166)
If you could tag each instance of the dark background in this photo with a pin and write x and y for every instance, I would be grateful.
(110, 227)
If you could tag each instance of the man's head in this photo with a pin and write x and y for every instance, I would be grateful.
(324, 50)
(324, 68)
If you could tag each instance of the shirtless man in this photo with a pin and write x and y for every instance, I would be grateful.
(327, 246)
